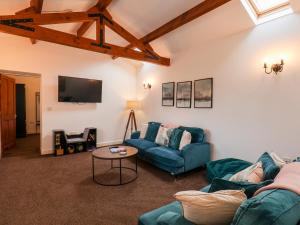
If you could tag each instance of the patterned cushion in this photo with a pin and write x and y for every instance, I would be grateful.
(253, 174)
(163, 136)
(185, 139)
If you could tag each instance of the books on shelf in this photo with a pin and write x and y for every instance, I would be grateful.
(117, 149)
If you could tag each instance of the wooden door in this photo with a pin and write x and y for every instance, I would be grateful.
(8, 112)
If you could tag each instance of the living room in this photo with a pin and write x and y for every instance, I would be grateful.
(248, 56)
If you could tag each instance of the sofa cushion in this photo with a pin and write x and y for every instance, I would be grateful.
(165, 156)
(197, 133)
(152, 130)
(140, 143)
(172, 218)
(273, 207)
(250, 188)
(185, 139)
(175, 138)
(269, 166)
(163, 136)
(150, 218)
(220, 168)
(253, 174)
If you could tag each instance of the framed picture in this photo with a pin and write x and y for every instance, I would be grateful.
(184, 94)
(168, 90)
(203, 93)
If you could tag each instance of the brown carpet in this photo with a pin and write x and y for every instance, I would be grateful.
(36, 190)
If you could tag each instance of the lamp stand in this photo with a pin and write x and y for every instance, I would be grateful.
(132, 122)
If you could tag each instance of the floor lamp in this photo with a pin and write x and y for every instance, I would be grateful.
(131, 105)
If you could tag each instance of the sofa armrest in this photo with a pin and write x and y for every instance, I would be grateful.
(135, 135)
(172, 218)
(195, 155)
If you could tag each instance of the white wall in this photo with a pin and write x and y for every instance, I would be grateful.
(32, 86)
(51, 60)
(253, 112)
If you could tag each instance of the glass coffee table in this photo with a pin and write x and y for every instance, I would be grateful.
(105, 154)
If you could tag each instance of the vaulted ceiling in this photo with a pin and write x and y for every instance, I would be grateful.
(140, 17)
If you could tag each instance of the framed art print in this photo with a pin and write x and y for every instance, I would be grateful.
(184, 94)
(203, 93)
(168, 90)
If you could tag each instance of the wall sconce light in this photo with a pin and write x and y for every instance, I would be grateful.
(147, 86)
(275, 68)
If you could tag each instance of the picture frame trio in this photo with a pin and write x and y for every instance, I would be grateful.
(203, 94)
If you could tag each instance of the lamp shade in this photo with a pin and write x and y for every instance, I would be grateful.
(133, 104)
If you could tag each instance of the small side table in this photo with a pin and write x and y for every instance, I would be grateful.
(105, 154)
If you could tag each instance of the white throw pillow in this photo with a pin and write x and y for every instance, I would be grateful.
(210, 208)
(185, 139)
(277, 160)
(162, 136)
(252, 174)
(144, 130)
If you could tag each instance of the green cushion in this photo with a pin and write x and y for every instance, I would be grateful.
(140, 143)
(222, 167)
(272, 207)
(172, 218)
(150, 218)
(152, 131)
(197, 134)
(175, 138)
(270, 168)
(250, 188)
(165, 156)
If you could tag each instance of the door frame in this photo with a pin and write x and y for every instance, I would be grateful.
(19, 73)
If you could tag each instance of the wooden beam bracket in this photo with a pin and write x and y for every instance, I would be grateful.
(14, 23)
(101, 16)
(101, 45)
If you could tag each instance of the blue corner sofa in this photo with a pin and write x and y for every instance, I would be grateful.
(272, 207)
(174, 161)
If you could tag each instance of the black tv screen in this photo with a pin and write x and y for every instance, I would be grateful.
(71, 89)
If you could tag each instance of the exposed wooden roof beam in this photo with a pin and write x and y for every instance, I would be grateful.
(35, 7)
(199, 10)
(100, 6)
(113, 25)
(28, 26)
(53, 18)
(37, 4)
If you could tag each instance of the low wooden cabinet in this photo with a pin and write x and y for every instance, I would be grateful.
(69, 144)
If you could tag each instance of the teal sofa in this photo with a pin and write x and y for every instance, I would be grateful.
(273, 207)
(172, 160)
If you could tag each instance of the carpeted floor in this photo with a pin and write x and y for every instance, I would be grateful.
(47, 190)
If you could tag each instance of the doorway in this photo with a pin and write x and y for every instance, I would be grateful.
(20, 106)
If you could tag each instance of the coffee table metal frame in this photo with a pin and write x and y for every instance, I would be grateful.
(120, 167)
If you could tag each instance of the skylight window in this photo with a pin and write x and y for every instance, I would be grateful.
(264, 6)
(265, 10)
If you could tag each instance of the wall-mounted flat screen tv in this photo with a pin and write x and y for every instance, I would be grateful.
(71, 89)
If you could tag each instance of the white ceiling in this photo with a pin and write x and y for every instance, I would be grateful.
(142, 16)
